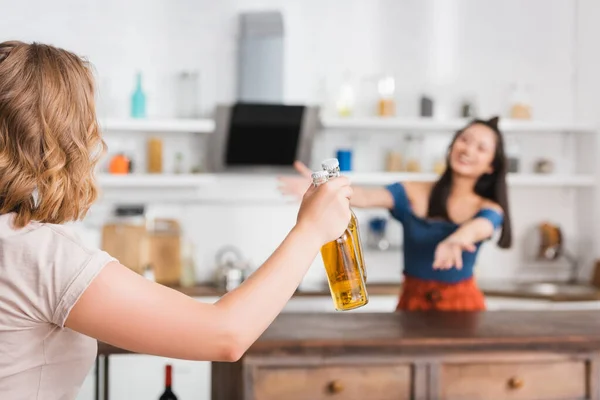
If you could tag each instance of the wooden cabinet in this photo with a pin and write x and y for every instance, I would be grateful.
(522, 355)
(466, 376)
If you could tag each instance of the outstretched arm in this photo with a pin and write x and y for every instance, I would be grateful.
(448, 253)
(126, 310)
(361, 198)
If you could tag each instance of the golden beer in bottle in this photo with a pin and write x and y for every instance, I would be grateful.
(332, 166)
(344, 274)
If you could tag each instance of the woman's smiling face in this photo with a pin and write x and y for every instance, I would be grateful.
(473, 151)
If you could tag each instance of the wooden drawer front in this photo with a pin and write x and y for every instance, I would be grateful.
(347, 383)
(512, 381)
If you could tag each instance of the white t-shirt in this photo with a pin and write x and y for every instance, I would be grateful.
(44, 269)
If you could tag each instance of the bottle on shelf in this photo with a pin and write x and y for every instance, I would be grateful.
(168, 393)
(138, 99)
(344, 275)
(332, 166)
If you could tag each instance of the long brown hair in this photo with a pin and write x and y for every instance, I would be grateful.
(49, 136)
(490, 186)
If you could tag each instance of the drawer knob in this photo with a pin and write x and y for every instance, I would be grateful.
(335, 387)
(515, 383)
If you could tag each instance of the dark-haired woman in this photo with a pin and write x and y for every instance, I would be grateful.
(445, 222)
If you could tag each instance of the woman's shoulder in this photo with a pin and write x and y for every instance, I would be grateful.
(487, 204)
(43, 241)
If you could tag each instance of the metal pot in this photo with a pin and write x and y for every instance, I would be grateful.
(230, 269)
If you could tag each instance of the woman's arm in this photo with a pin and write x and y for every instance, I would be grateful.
(126, 310)
(361, 198)
(449, 252)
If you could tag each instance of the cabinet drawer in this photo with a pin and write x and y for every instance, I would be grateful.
(514, 381)
(333, 382)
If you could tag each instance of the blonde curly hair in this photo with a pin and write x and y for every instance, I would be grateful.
(49, 136)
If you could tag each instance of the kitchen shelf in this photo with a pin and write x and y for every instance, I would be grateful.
(158, 181)
(155, 180)
(434, 125)
(534, 180)
(158, 125)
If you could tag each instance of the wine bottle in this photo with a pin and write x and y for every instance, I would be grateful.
(168, 393)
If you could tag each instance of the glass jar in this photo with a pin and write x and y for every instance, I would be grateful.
(412, 154)
(387, 92)
(187, 94)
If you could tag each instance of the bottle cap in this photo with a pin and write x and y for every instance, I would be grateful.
(330, 164)
(319, 177)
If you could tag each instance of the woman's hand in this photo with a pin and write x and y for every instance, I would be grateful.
(325, 210)
(296, 185)
(448, 253)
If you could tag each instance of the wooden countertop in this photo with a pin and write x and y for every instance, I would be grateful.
(490, 289)
(425, 333)
(207, 290)
(429, 332)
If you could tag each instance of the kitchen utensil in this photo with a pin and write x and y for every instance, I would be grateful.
(376, 238)
(552, 247)
(544, 166)
(230, 268)
(551, 241)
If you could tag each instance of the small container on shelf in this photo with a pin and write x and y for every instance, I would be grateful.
(346, 99)
(178, 163)
(387, 91)
(155, 155)
(513, 155)
(393, 161)
(439, 166)
(119, 164)
(188, 83)
(412, 154)
(344, 157)
(468, 108)
(520, 107)
(426, 106)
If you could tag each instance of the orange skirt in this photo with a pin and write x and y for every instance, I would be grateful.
(422, 295)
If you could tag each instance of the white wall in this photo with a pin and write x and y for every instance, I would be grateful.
(450, 49)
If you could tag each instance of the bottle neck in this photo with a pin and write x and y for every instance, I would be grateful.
(168, 377)
(138, 82)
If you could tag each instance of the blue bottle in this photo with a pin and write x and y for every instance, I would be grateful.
(138, 99)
